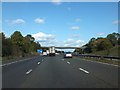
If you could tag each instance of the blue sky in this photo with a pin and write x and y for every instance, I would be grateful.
(60, 24)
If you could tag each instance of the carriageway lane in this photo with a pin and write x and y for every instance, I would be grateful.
(55, 73)
(106, 72)
(52, 72)
(14, 74)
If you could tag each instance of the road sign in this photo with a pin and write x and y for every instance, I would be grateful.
(39, 50)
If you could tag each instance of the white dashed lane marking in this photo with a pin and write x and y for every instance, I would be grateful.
(83, 70)
(29, 71)
(38, 63)
(68, 62)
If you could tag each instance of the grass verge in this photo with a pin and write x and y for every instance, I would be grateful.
(12, 59)
(103, 60)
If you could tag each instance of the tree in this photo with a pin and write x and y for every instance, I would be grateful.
(92, 40)
(6, 47)
(114, 37)
(17, 38)
(88, 49)
(118, 41)
(17, 45)
(26, 45)
(30, 37)
(78, 50)
(0, 44)
(98, 45)
(104, 44)
(17, 41)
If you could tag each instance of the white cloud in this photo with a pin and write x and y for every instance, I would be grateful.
(18, 21)
(44, 39)
(116, 22)
(100, 34)
(50, 40)
(39, 20)
(43, 36)
(73, 43)
(56, 2)
(75, 27)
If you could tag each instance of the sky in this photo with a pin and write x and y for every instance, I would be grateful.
(60, 23)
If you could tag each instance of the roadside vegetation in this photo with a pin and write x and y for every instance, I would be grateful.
(112, 52)
(108, 46)
(18, 46)
(103, 60)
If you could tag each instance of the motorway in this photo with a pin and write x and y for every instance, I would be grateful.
(59, 72)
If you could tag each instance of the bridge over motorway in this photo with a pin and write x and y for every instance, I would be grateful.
(47, 47)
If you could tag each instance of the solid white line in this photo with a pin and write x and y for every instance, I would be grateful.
(9, 63)
(29, 71)
(102, 63)
(68, 62)
(83, 70)
(16, 61)
(38, 62)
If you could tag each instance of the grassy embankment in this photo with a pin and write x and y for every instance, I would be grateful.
(112, 52)
(16, 58)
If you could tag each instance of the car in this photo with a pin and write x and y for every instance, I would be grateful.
(68, 55)
(44, 53)
(56, 53)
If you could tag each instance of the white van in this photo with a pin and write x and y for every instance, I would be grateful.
(44, 53)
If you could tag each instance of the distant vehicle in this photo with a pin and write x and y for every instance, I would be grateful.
(44, 53)
(47, 52)
(68, 55)
(56, 53)
(52, 51)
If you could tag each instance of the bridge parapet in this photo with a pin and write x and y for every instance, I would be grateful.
(47, 47)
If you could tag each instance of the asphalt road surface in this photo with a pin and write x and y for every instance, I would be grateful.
(59, 72)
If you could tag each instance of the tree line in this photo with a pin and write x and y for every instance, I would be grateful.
(17, 45)
(100, 43)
